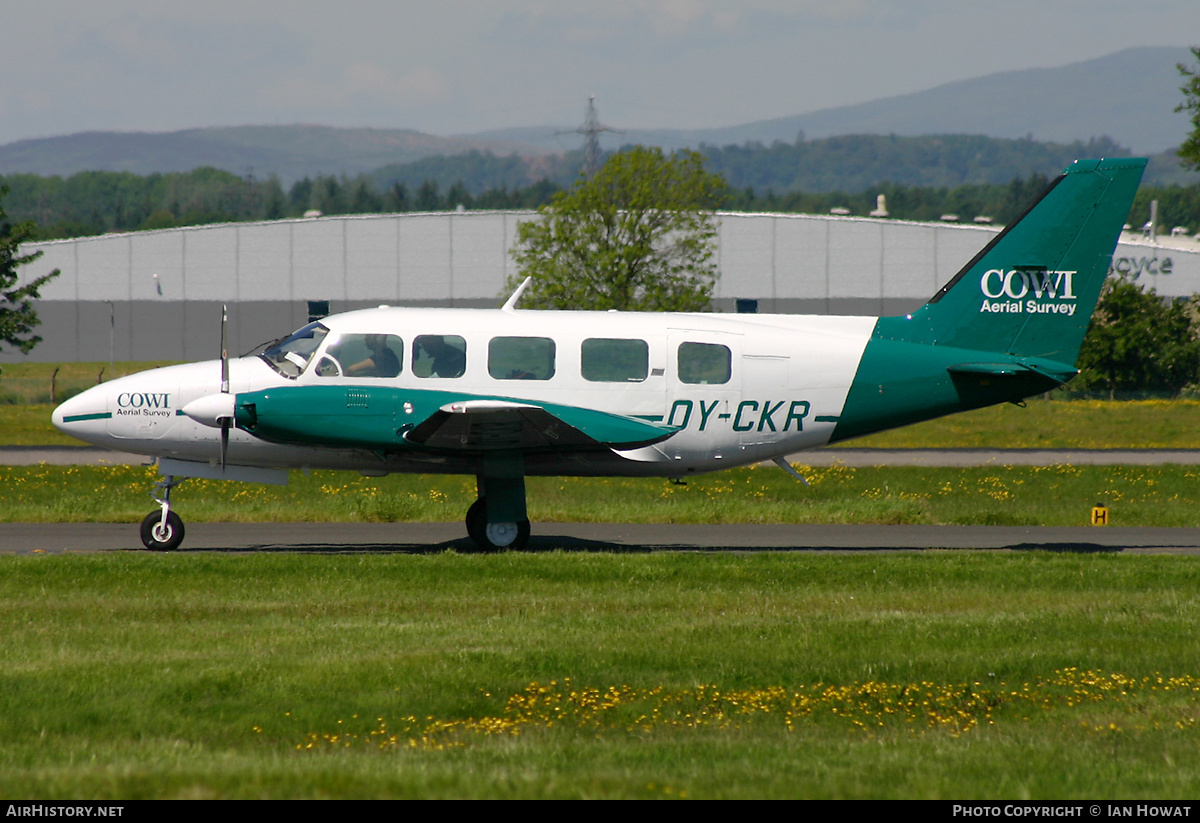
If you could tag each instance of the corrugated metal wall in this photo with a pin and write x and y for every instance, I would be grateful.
(157, 295)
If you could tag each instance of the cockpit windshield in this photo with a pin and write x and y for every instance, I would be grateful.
(290, 355)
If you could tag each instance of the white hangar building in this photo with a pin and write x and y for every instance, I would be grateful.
(157, 295)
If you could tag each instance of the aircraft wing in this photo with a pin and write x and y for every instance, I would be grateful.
(473, 425)
(396, 419)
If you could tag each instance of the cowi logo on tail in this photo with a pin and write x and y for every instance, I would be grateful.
(504, 394)
(1033, 291)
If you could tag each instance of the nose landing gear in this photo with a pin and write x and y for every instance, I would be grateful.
(162, 530)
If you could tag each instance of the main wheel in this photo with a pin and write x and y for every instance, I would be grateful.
(157, 537)
(491, 537)
(507, 535)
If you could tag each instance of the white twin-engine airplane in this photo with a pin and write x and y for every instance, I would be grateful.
(504, 394)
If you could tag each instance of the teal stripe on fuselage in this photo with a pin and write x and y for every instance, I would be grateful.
(78, 418)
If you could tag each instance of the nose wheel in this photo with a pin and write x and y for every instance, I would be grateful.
(159, 536)
(162, 530)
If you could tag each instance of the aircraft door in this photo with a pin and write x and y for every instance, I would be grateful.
(762, 414)
(704, 388)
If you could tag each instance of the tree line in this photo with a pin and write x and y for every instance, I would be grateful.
(91, 203)
(922, 178)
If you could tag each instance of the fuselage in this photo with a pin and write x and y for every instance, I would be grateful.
(734, 388)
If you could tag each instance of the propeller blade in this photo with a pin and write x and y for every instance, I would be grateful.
(226, 421)
(224, 350)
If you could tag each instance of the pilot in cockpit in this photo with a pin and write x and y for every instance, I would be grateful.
(382, 361)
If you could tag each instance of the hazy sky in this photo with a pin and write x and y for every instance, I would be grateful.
(459, 66)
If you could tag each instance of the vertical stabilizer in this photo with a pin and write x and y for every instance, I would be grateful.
(1010, 324)
(1032, 290)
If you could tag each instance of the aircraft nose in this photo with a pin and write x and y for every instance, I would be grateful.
(84, 415)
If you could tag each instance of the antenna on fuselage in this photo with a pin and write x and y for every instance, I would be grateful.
(511, 303)
(782, 463)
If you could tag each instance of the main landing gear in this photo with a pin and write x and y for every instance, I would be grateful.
(162, 530)
(497, 519)
(491, 537)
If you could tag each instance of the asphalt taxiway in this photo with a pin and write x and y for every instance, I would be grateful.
(419, 538)
(24, 538)
(83, 455)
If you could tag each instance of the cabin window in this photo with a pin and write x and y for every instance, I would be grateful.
(362, 355)
(521, 358)
(439, 355)
(608, 360)
(704, 363)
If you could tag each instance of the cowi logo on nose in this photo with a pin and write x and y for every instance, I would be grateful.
(144, 404)
(1028, 291)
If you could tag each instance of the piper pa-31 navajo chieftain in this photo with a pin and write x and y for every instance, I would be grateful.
(504, 394)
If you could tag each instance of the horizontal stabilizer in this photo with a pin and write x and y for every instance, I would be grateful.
(1009, 325)
(1000, 370)
(1031, 291)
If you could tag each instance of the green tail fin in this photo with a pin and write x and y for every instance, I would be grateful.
(1032, 290)
(1010, 324)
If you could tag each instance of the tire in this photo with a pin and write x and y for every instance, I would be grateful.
(155, 538)
(494, 537)
(477, 523)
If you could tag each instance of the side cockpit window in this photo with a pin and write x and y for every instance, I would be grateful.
(290, 355)
(362, 355)
(439, 355)
(521, 358)
(704, 363)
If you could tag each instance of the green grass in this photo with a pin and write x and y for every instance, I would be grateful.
(985, 495)
(30, 426)
(27, 389)
(1054, 424)
(35, 383)
(933, 674)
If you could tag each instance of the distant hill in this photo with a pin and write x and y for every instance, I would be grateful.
(480, 171)
(855, 163)
(1128, 96)
(848, 164)
(289, 152)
